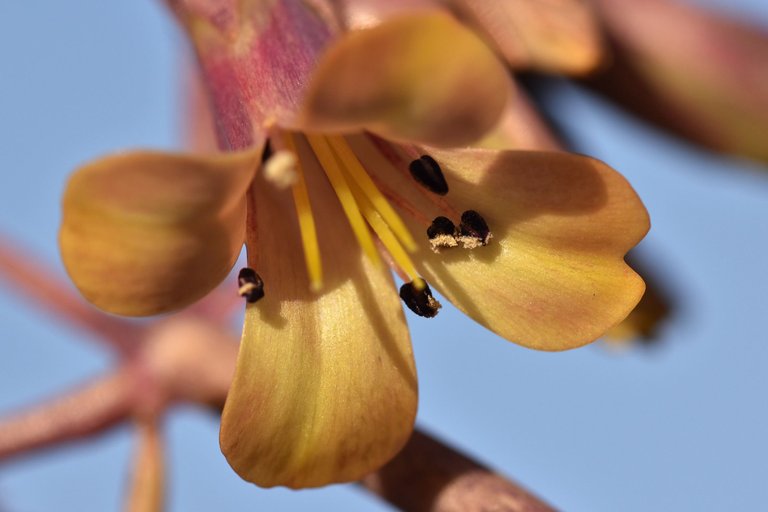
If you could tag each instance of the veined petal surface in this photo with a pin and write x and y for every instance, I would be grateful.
(325, 387)
(147, 232)
(422, 77)
(553, 275)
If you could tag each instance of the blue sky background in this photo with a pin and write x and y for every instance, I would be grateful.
(679, 427)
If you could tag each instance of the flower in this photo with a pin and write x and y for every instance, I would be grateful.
(325, 388)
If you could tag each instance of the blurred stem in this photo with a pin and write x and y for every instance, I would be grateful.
(429, 476)
(35, 281)
(77, 415)
(145, 493)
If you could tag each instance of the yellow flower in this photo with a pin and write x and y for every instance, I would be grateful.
(359, 156)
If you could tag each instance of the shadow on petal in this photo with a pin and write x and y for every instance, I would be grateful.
(553, 277)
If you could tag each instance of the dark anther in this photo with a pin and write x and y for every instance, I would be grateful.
(251, 285)
(441, 226)
(427, 172)
(420, 301)
(267, 152)
(473, 230)
(442, 233)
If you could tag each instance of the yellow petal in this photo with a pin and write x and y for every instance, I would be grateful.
(655, 309)
(553, 275)
(423, 77)
(145, 233)
(325, 386)
(556, 35)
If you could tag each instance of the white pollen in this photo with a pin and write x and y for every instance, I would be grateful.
(442, 241)
(471, 242)
(246, 289)
(280, 169)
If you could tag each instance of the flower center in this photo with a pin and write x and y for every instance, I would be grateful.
(379, 230)
(364, 205)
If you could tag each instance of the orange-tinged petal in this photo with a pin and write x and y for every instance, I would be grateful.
(521, 127)
(553, 275)
(555, 35)
(423, 77)
(325, 387)
(654, 311)
(359, 14)
(147, 232)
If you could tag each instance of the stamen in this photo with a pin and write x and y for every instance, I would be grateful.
(384, 232)
(474, 231)
(426, 171)
(306, 223)
(393, 266)
(418, 297)
(360, 176)
(442, 233)
(280, 169)
(251, 285)
(332, 167)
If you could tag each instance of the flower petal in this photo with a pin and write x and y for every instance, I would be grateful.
(556, 35)
(423, 77)
(325, 387)
(360, 14)
(658, 305)
(521, 126)
(145, 233)
(553, 276)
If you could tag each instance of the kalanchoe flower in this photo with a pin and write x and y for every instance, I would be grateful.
(325, 387)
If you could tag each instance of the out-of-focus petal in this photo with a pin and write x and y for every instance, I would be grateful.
(553, 275)
(146, 232)
(559, 36)
(360, 14)
(699, 74)
(325, 386)
(423, 77)
(257, 57)
(521, 127)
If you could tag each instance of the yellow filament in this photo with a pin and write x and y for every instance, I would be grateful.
(360, 176)
(306, 222)
(384, 232)
(332, 167)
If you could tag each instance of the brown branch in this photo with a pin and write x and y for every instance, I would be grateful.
(77, 415)
(35, 281)
(429, 476)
